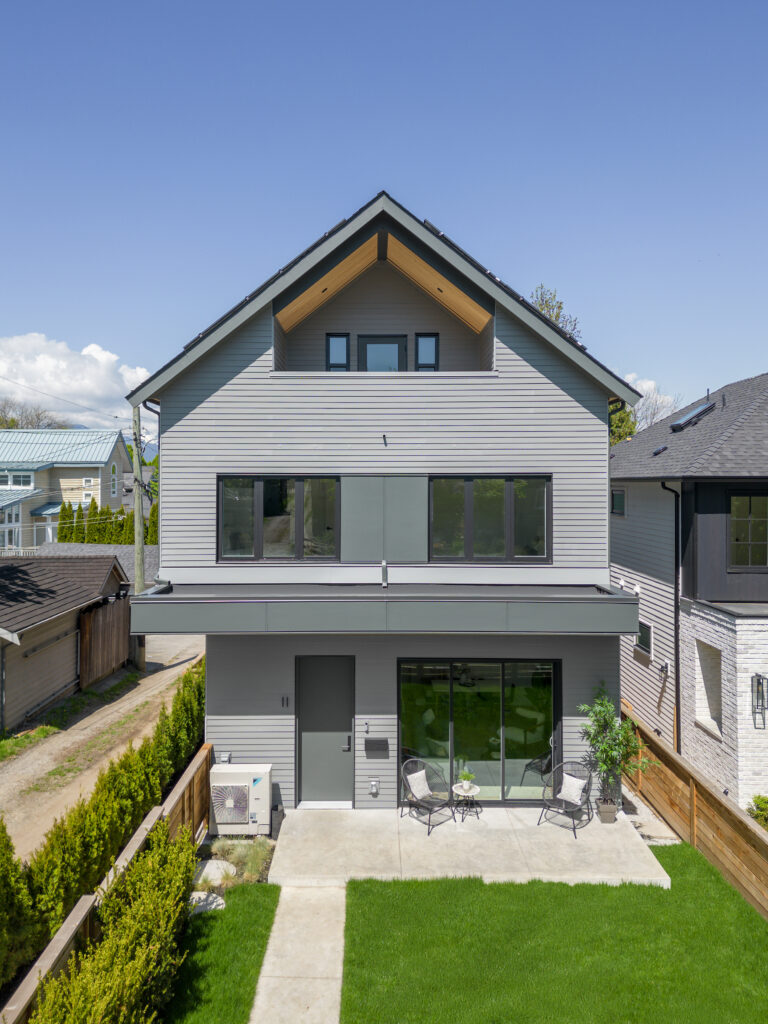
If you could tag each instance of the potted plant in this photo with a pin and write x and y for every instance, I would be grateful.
(466, 777)
(613, 747)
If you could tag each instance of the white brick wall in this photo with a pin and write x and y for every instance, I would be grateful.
(752, 650)
(737, 759)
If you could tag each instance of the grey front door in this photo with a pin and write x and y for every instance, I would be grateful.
(326, 708)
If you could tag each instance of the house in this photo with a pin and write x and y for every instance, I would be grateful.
(41, 469)
(689, 522)
(63, 626)
(124, 553)
(384, 499)
(148, 474)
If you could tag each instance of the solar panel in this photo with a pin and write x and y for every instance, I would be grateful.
(692, 417)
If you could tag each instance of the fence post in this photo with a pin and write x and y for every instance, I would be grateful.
(693, 809)
(639, 761)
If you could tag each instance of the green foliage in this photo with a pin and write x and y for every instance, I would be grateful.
(82, 845)
(17, 921)
(546, 301)
(758, 810)
(66, 523)
(92, 523)
(128, 537)
(105, 525)
(613, 744)
(623, 425)
(152, 524)
(117, 527)
(129, 975)
(78, 529)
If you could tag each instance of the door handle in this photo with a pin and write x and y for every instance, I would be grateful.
(349, 744)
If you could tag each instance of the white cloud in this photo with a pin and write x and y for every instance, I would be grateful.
(655, 404)
(93, 377)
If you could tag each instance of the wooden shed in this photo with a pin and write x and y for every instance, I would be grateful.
(63, 625)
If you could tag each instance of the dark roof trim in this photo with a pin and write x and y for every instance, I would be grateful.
(324, 246)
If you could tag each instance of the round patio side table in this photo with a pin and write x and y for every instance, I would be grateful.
(466, 799)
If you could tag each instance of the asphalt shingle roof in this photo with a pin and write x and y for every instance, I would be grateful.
(33, 590)
(35, 449)
(122, 552)
(729, 441)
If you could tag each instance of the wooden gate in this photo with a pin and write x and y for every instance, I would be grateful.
(104, 640)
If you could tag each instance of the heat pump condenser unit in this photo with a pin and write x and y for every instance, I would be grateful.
(241, 799)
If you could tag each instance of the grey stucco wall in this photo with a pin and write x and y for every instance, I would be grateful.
(249, 679)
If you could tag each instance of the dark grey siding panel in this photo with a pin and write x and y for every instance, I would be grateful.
(362, 518)
(258, 739)
(230, 414)
(643, 555)
(711, 550)
(382, 301)
(406, 518)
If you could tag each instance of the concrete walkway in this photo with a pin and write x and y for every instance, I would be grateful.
(300, 979)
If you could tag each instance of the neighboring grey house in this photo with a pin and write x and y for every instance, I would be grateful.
(41, 469)
(689, 502)
(384, 498)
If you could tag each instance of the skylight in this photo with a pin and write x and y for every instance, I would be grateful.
(692, 417)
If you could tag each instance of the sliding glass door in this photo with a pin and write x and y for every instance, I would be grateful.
(496, 718)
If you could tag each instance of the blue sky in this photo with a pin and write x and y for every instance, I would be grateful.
(159, 160)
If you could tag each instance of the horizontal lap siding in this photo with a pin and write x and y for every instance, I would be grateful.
(643, 554)
(229, 414)
(376, 766)
(258, 739)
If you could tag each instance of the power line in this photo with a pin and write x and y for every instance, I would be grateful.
(69, 401)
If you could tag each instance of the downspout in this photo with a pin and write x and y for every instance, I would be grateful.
(677, 614)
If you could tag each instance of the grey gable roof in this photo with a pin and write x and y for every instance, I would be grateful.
(729, 441)
(384, 204)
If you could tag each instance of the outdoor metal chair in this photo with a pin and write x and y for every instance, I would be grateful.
(541, 764)
(438, 797)
(555, 804)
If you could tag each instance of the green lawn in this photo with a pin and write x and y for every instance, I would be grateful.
(217, 981)
(461, 952)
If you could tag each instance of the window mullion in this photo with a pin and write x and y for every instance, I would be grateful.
(509, 517)
(298, 517)
(469, 520)
(258, 518)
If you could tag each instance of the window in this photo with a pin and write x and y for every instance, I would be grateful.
(87, 495)
(427, 352)
(337, 353)
(22, 479)
(748, 532)
(644, 639)
(380, 353)
(113, 480)
(87, 481)
(618, 502)
(4, 480)
(278, 518)
(708, 673)
(498, 519)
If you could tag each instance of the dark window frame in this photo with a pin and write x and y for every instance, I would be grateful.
(509, 555)
(258, 520)
(638, 645)
(329, 366)
(623, 492)
(402, 351)
(421, 366)
(740, 492)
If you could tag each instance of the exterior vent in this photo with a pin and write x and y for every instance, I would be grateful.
(660, 450)
(230, 804)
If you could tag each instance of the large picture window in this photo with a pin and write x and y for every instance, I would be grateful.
(500, 519)
(748, 532)
(262, 518)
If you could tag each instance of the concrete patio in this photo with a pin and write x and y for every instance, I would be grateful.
(330, 847)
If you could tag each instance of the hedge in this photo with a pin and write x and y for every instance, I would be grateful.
(81, 847)
(129, 975)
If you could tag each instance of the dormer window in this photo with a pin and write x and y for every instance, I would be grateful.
(337, 353)
(16, 479)
(426, 353)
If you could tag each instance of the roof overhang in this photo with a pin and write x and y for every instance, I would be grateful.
(409, 259)
(11, 638)
(362, 609)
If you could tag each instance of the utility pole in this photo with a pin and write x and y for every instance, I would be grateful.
(138, 532)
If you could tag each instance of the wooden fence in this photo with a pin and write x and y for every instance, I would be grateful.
(104, 640)
(186, 804)
(703, 817)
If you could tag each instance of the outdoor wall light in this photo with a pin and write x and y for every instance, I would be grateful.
(759, 688)
(374, 787)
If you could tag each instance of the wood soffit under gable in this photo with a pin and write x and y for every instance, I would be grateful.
(382, 246)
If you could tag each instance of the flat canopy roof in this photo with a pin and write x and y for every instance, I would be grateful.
(367, 608)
